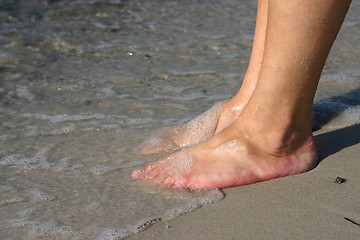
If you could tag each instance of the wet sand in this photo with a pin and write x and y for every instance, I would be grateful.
(306, 206)
(83, 82)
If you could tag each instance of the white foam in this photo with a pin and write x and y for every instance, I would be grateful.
(332, 114)
(108, 91)
(93, 205)
(7, 137)
(11, 201)
(7, 188)
(175, 89)
(26, 212)
(38, 161)
(37, 229)
(58, 131)
(38, 195)
(50, 229)
(183, 97)
(112, 234)
(94, 1)
(58, 118)
(66, 117)
(174, 105)
(348, 117)
(208, 197)
(181, 163)
(198, 72)
(345, 77)
(110, 126)
(27, 162)
(100, 170)
(23, 92)
(106, 26)
(203, 198)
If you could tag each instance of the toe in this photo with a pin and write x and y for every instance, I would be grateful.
(137, 174)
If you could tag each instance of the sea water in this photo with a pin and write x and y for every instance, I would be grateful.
(83, 82)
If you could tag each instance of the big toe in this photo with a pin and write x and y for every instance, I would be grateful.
(137, 174)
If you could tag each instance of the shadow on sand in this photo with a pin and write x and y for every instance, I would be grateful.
(327, 109)
(333, 142)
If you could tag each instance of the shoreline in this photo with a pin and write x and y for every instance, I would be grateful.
(306, 206)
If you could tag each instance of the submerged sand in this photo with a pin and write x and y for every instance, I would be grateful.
(306, 206)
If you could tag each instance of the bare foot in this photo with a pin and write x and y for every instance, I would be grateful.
(230, 158)
(195, 131)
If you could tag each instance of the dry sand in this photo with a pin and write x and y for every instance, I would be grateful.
(305, 206)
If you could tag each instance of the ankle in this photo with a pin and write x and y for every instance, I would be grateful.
(237, 103)
(277, 139)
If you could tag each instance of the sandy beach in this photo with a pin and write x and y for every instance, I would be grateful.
(306, 206)
(82, 85)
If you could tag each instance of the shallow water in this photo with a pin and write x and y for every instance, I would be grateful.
(83, 82)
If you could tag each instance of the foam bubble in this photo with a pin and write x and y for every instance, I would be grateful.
(112, 234)
(184, 97)
(93, 205)
(198, 72)
(7, 188)
(36, 230)
(7, 136)
(181, 163)
(59, 118)
(108, 91)
(106, 26)
(351, 76)
(100, 170)
(197, 199)
(194, 131)
(339, 111)
(38, 195)
(38, 161)
(58, 131)
(145, 224)
(23, 91)
(11, 201)
(19, 222)
(65, 117)
(206, 197)
(348, 117)
(26, 212)
(49, 229)
(33, 162)
(175, 89)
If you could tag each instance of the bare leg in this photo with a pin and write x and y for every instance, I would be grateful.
(221, 115)
(272, 137)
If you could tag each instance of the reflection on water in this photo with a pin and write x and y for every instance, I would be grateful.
(81, 84)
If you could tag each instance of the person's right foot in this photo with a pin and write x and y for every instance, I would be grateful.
(238, 155)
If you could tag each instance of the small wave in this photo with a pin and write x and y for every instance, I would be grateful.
(65, 117)
(11, 201)
(7, 136)
(52, 228)
(58, 118)
(199, 72)
(23, 92)
(100, 170)
(345, 77)
(38, 161)
(339, 111)
(38, 195)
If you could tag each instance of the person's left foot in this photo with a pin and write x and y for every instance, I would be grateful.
(195, 131)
